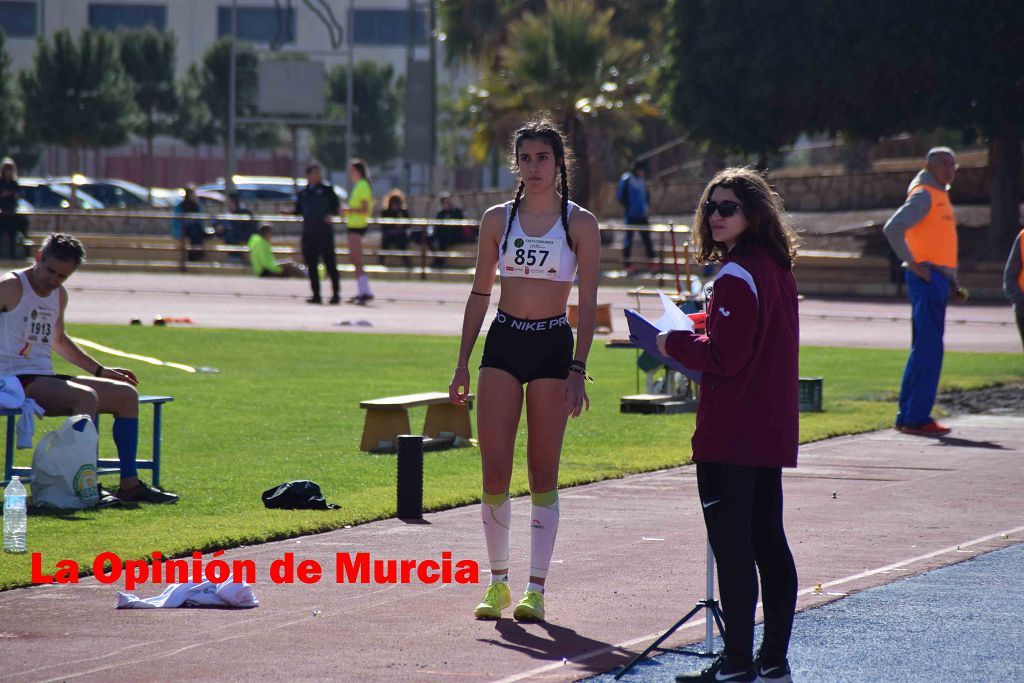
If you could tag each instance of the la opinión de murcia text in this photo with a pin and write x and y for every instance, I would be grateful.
(359, 567)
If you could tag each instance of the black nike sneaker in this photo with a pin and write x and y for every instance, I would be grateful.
(773, 670)
(720, 670)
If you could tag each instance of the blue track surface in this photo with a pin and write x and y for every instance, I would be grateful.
(964, 622)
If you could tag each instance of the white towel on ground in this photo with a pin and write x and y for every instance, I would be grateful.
(205, 594)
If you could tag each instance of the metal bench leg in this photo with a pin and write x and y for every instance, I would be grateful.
(157, 425)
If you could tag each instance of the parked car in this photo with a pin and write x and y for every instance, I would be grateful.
(166, 197)
(46, 194)
(263, 189)
(114, 193)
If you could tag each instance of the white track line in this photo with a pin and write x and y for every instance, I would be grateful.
(700, 622)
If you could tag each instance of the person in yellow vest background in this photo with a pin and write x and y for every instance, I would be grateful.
(1013, 282)
(922, 232)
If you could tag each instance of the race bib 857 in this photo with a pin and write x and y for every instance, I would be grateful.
(533, 257)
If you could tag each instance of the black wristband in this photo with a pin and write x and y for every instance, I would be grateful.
(99, 371)
(580, 371)
(578, 364)
(480, 293)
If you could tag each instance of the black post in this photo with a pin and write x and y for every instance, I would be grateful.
(410, 476)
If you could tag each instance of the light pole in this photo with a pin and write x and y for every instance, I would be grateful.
(229, 178)
(349, 99)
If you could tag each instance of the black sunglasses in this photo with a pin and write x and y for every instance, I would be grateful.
(725, 208)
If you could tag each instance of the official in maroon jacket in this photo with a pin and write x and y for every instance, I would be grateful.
(747, 416)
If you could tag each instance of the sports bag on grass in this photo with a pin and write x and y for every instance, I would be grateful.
(64, 466)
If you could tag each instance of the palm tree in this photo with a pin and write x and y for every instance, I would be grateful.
(566, 60)
(475, 29)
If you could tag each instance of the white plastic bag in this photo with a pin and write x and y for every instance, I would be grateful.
(64, 466)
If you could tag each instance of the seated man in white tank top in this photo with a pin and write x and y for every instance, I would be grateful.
(32, 304)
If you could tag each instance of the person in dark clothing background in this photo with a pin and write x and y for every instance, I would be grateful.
(187, 227)
(394, 236)
(316, 203)
(237, 231)
(10, 221)
(635, 199)
(447, 235)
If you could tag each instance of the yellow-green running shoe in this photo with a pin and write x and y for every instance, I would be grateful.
(530, 608)
(495, 599)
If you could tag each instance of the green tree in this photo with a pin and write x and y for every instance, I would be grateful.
(203, 113)
(475, 29)
(77, 94)
(569, 61)
(148, 57)
(737, 73)
(377, 106)
(979, 88)
(13, 142)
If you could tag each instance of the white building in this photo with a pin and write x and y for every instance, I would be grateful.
(320, 28)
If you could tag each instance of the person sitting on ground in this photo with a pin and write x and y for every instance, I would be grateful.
(32, 304)
(261, 258)
(394, 236)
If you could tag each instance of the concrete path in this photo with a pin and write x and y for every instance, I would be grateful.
(861, 511)
(436, 308)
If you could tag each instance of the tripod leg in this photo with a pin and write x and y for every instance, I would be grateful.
(659, 641)
(718, 618)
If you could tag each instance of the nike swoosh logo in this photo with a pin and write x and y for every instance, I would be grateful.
(706, 506)
(725, 311)
(768, 671)
(719, 676)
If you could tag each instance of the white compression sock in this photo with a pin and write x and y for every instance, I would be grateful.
(363, 283)
(496, 513)
(543, 528)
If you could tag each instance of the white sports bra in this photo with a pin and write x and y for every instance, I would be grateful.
(547, 257)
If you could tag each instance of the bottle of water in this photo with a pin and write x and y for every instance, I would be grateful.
(15, 516)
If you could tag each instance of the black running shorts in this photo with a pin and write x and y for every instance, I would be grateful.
(529, 349)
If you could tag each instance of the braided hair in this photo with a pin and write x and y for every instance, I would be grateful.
(541, 129)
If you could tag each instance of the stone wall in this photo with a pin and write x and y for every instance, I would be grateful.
(810, 192)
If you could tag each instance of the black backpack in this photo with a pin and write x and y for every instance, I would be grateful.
(623, 193)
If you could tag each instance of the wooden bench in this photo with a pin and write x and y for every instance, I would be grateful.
(386, 418)
(602, 317)
(103, 465)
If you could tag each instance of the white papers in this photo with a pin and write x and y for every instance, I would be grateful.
(672, 318)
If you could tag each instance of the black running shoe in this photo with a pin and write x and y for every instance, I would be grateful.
(146, 494)
(773, 670)
(720, 670)
(314, 300)
(335, 300)
(109, 500)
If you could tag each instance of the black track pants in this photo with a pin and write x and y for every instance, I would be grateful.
(320, 246)
(743, 514)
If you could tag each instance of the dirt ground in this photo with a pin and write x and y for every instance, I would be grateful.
(1002, 400)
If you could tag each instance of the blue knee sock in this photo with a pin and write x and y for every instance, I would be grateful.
(126, 438)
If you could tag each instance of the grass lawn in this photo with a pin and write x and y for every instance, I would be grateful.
(285, 405)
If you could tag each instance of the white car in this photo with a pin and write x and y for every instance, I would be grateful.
(48, 194)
